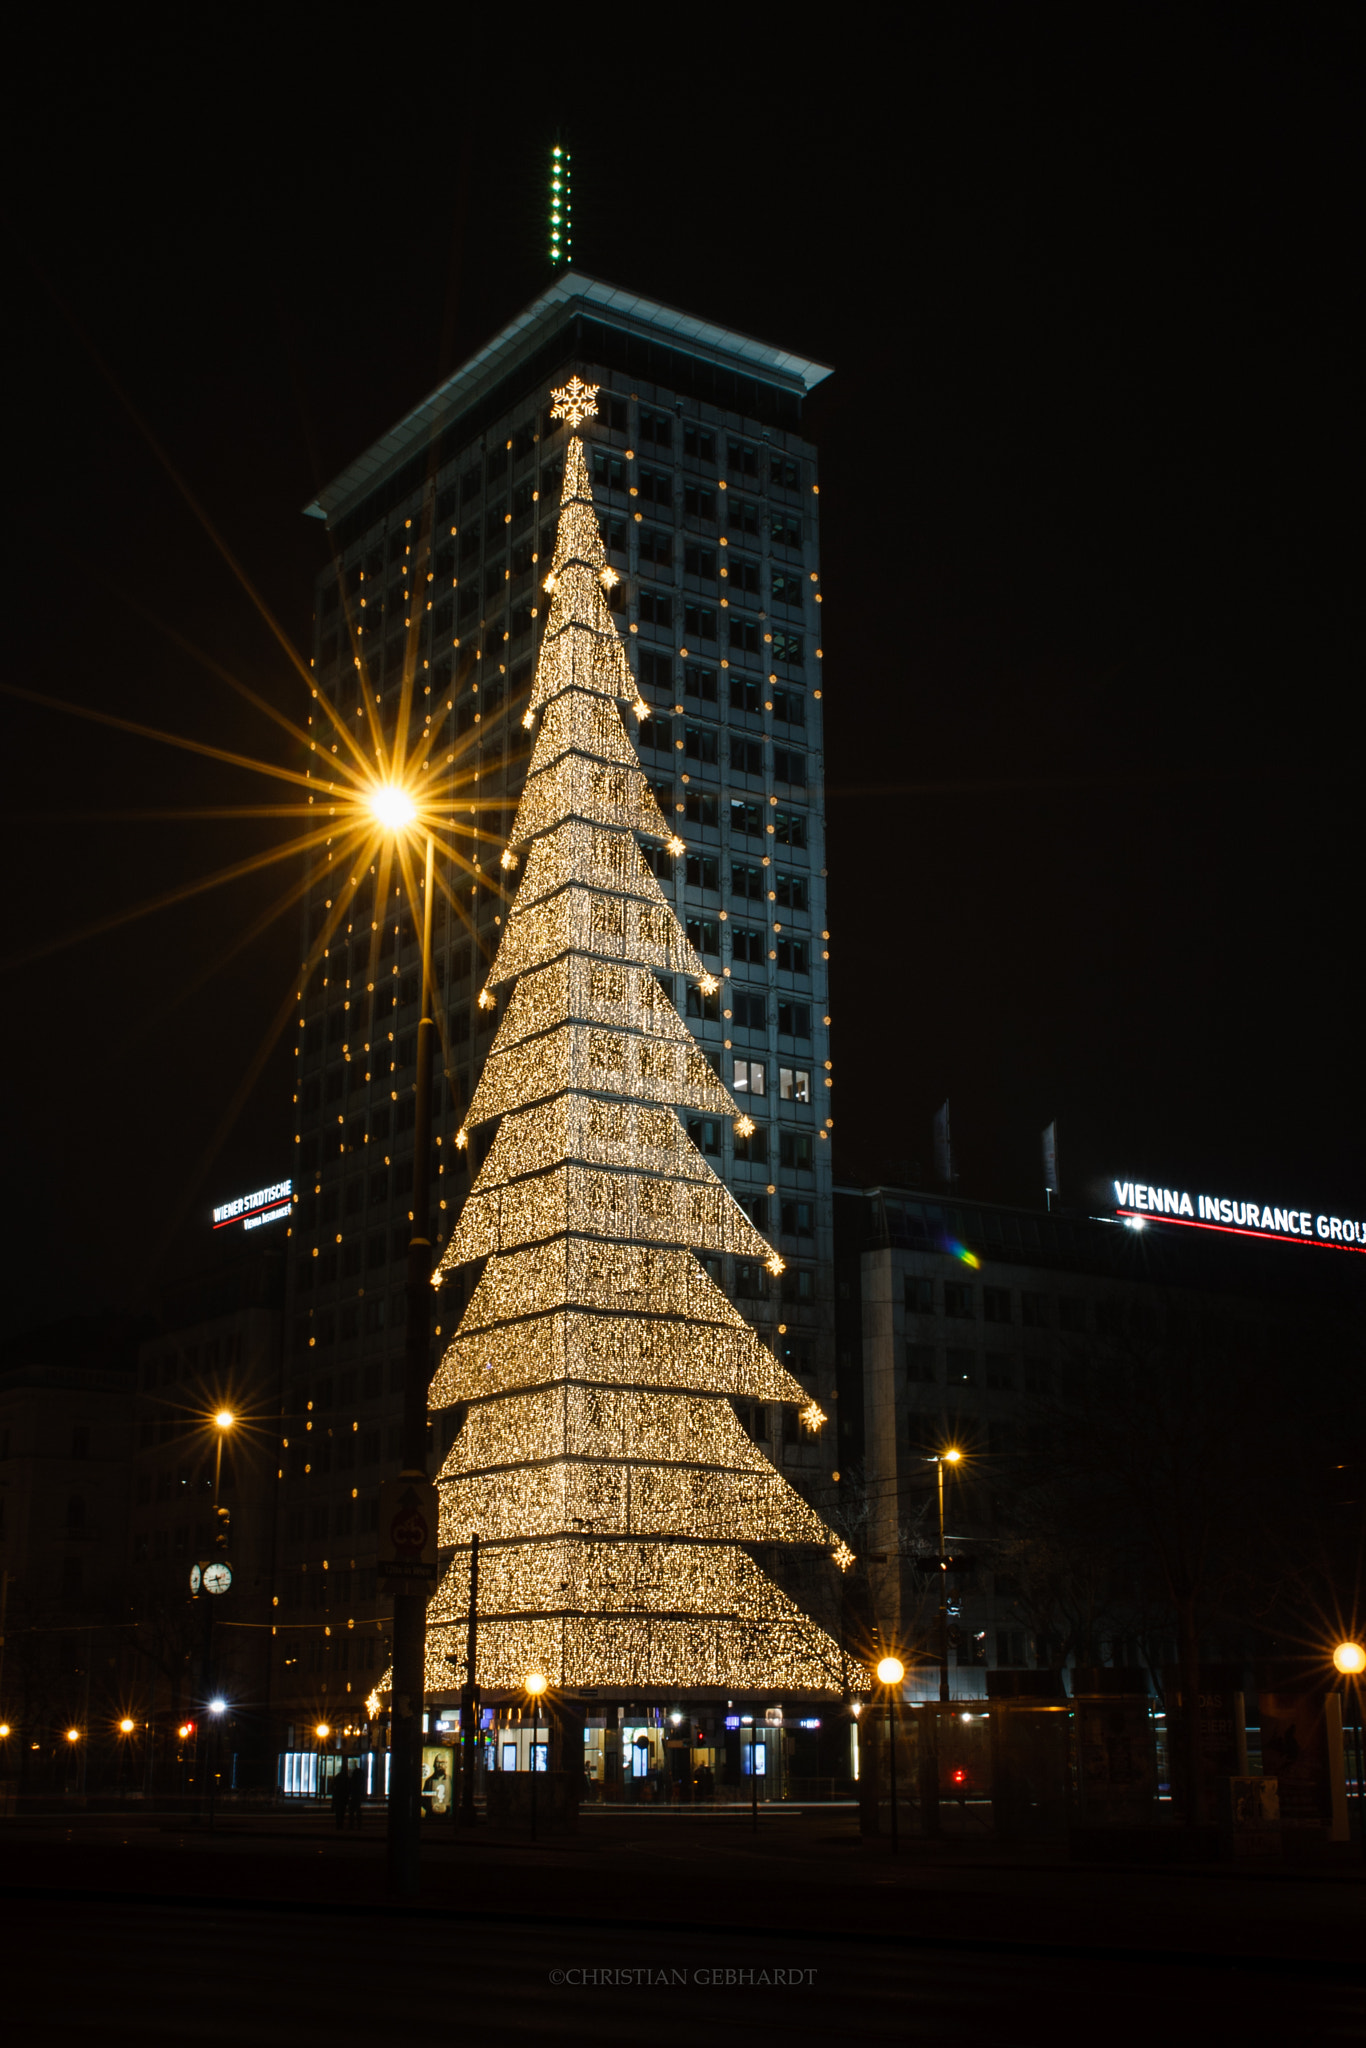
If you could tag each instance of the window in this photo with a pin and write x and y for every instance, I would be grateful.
(746, 694)
(787, 588)
(748, 1012)
(1000, 1372)
(699, 442)
(785, 528)
(794, 1020)
(794, 1084)
(789, 828)
(795, 1150)
(746, 942)
(790, 890)
(699, 682)
(656, 428)
(702, 1005)
(656, 487)
(785, 472)
(742, 514)
(789, 766)
(699, 501)
(743, 576)
(799, 1284)
(469, 485)
(656, 608)
(1038, 1376)
(743, 635)
(961, 1368)
(754, 1148)
(792, 956)
(1034, 1311)
(920, 1366)
(1072, 1314)
(746, 882)
(656, 732)
(996, 1304)
(705, 1133)
(703, 871)
(704, 933)
(656, 546)
(699, 808)
(699, 622)
(657, 669)
(699, 561)
(742, 457)
(747, 820)
(699, 743)
(749, 1077)
(1010, 1643)
(797, 1219)
(958, 1300)
(746, 756)
(789, 647)
(609, 468)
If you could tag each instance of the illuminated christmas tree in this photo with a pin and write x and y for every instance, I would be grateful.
(600, 1459)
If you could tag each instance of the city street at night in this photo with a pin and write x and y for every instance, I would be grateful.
(277, 1931)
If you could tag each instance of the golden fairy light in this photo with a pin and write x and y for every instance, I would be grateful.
(596, 1365)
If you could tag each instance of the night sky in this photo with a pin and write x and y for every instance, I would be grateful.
(1091, 546)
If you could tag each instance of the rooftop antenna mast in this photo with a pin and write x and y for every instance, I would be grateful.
(560, 193)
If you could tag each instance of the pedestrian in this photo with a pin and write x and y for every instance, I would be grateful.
(339, 1783)
(355, 1796)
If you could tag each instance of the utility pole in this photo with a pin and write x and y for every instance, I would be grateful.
(469, 1697)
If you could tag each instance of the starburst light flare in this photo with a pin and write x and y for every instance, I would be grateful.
(599, 1455)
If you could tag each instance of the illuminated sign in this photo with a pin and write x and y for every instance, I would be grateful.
(1136, 1202)
(267, 1205)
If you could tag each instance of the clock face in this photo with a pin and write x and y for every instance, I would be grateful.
(217, 1578)
(194, 1578)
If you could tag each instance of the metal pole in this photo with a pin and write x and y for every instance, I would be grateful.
(753, 1779)
(943, 1595)
(891, 1752)
(410, 1609)
(535, 1730)
(469, 1704)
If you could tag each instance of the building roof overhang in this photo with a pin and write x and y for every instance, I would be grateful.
(521, 335)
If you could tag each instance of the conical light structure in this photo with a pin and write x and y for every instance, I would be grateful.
(599, 1458)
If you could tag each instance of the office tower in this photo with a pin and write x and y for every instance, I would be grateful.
(707, 495)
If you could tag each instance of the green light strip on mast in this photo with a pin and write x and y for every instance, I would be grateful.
(561, 208)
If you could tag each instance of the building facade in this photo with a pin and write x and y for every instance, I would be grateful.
(1010, 1335)
(707, 492)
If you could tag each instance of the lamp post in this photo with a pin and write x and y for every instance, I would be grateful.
(395, 811)
(939, 1461)
(222, 1422)
(535, 1685)
(890, 1673)
(1349, 1659)
(754, 1776)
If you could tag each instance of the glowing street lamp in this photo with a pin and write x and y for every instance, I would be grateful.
(126, 1726)
(73, 1734)
(890, 1673)
(1349, 1658)
(395, 811)
(535, 1685)
(951, 1456)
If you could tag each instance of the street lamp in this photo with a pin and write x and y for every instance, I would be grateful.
(952, 1456)
(535, 1685)
(1349, 1658)
(395, 812)
(890, 1673)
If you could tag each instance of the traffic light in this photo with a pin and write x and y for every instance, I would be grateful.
(222, 1528)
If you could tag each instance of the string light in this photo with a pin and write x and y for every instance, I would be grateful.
(596, 1365)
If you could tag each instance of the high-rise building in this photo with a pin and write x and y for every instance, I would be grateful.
(707, 493)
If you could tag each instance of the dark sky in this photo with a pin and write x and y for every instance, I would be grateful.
(1090, 488)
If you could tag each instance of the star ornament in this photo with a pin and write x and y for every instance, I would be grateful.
(575, 402)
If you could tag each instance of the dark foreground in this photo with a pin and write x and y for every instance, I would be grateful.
(656, 1927)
